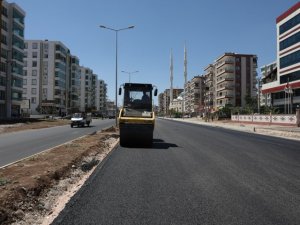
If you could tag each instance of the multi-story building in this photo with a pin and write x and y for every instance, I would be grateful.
(230, 79)
(285, 91)
(12, 53)
(101, 92)
(73, 100)
(194, 96)
(94, 93)
(186, 98)
(161, 106)
(87, 92)
(235, 79)
(209, 93)
(46, 76)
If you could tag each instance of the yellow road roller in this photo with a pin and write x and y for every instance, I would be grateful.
(136, 118)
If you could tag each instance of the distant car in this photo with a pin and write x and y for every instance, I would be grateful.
(81, 119)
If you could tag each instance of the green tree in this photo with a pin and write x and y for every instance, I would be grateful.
(251, 105)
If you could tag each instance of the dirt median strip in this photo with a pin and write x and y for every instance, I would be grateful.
(29, 188)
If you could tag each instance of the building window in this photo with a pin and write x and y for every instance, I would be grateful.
(26, 45)
(289, 24)
(45, 80)
(24, 81)
(33, 100)
(25, 63)
(290, 59)
(290, 77)
(294, 39)
(34, 54)
(24, 91)
(3, 39)
(33, 91)
(2, 95)
(33, 81)
(34, 72)
(34, 63)
(34, 45)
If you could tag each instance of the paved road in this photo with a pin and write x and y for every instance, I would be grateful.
(194, 175)
(18, 145)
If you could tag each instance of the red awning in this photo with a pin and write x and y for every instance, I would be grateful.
(281, 88)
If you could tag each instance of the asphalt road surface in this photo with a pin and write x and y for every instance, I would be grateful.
(193, 175)
(17, 145)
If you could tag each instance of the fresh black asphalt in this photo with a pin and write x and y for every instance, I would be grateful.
(193, 175)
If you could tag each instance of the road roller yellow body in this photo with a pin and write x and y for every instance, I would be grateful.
(137, 118)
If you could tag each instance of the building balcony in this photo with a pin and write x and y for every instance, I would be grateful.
(224, 96)
(223, 71)
(226, 78)
(225, 87)
(227, 61)
(19, 21)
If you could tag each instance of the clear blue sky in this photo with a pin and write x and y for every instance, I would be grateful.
(209, 29)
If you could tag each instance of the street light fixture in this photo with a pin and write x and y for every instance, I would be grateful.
(116, 31)
(129, 73)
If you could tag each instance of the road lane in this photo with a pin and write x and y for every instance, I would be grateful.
(194, 175)
(17, 145)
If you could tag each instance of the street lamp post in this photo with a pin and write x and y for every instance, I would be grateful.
(258, 94)
(129, 73)
(116, 31)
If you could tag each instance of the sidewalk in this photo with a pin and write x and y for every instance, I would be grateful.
(288, 132)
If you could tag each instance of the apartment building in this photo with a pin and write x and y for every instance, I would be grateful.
(86, 89)
(101, 92)
(73, 97)
(12, 51)
(210, 85)
(161, 106)
(285, 91)
(46, 76)
(194, 96)
(230, 79)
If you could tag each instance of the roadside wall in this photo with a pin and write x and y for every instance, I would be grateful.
(278, 119)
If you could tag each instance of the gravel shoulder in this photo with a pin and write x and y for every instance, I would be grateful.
(35, 190)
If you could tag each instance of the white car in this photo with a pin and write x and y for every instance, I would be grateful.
(81, 119)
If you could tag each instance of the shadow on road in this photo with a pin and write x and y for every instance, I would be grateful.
(161, 144)
(157, 144)
(83, 127)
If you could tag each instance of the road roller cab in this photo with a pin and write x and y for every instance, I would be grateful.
(137, 118)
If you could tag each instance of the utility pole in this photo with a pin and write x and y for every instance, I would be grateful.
(258, 97)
